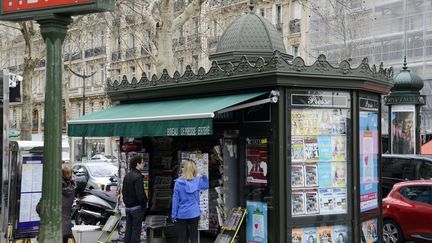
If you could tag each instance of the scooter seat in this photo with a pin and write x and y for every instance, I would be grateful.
(107, 196)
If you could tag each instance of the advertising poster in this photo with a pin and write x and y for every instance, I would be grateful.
(370, 231)
(325, 234)
(256, 161)
(339, 174)
(311, 149)
(256, 222)
(298, 203)
(403, 130)
(311, 175)
(31, 192)
(310, 235)
(340, 200)
(368, 161)
(325, 148)
(340, 234)
(325, 175)
(297, 175)
(326, 203)
(297, 236)
(297, 122)
(339, 148)
(297, 152)
(311, 202)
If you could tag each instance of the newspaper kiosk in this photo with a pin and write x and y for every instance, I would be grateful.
(297, 144)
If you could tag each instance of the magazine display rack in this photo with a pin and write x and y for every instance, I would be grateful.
(232, 225)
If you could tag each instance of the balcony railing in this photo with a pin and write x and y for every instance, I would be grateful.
(76, 56)
(94, 52)
(194, 39)
(66, 57)
(130, 53)
(115, 56)
(294, 26)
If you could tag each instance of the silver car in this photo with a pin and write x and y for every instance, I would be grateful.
(97, 174)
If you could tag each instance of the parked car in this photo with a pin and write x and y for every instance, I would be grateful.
(104, 158)
(407, 212)
(99, 175)
(398, 168)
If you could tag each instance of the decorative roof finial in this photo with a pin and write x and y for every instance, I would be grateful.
(251, 6)
(405, 64)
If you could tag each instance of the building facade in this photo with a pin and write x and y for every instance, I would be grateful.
(120, 43)
(382, 31)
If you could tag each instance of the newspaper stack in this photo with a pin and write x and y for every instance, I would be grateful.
(156, 221)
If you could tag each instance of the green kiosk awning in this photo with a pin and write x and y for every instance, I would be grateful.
(185, 117)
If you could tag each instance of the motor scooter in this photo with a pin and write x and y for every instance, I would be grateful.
(94, 206)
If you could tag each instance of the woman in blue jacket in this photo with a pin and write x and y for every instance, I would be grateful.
(186, 211)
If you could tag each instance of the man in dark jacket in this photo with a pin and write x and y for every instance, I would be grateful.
(134, 199)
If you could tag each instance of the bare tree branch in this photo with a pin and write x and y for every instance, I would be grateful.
(189, 11)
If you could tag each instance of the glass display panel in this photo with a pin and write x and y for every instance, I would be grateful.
(319, 155)
(335, 233)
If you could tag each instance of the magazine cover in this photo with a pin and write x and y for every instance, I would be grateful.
(298, 203)
(370, 231)
(326, 201)
(325, 175)
(340, 200)
(311, 202)
(297, 122)
(297, 152)
(297, 236)
(256, 162)
(297, 175)
(339, 174)
(311, 149)
(311, 175)
(339, 117)
(340, 234)
(325, 121)
(325, 234)
(339, 148)
(310, 122)
(310, 235)
(325, 148)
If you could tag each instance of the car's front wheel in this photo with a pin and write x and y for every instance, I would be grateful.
(392, 232)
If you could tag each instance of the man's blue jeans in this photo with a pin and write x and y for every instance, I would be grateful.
(134, 219)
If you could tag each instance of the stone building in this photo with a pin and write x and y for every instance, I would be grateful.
(115, 44)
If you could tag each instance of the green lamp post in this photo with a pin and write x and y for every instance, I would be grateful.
(405, 102)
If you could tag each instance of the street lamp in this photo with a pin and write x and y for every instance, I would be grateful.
(83, 76)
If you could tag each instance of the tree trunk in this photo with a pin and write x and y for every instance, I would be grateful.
(163, 40)
(28, 32)
(27, 102)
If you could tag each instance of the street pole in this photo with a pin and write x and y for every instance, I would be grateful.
(83, 76)
(53, 30)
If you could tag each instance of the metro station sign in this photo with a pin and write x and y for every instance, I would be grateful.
(20, 10)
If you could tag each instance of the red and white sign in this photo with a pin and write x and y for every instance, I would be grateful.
(10, 6)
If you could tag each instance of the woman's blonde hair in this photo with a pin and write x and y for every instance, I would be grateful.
(189, 170)
(67, 171)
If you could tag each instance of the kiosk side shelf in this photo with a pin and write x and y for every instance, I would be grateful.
(232, 226)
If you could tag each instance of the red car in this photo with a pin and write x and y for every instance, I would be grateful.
(407, 212)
